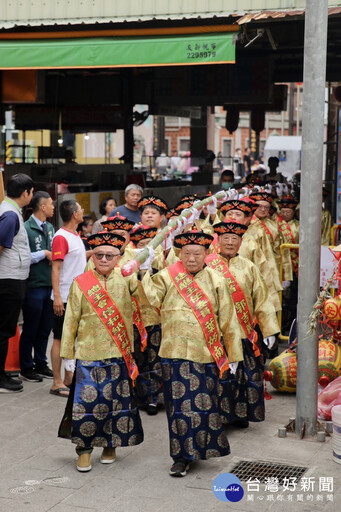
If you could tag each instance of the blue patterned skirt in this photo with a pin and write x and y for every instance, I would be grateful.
(195, 426)
(104, 411)
(242, 396)
(149, 386)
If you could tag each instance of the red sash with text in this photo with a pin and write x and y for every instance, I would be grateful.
(138, 322)
(289, 238)
(264, 226)
(238, 297)
(199, 303)
(109, 314)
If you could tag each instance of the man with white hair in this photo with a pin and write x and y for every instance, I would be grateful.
(133, 194)
(101, 410)
(200, 341)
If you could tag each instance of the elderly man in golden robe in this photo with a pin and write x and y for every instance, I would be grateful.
(101, 409)
(262, 220)
(196, 309)
(289, 232)
(243, 397)
(255, 245)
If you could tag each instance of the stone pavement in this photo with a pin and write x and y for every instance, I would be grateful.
(38, 470)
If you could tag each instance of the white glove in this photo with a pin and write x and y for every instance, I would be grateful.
(196, 204)
(188, 221)
(177, 230)
(233, 193)
(147, 265)
(243, 192)
(212, 207)
(233, 367)
(270, 341)
(285, 285)
(268, 188)
(69, 364)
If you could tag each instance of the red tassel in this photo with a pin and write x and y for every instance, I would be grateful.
(267, 395)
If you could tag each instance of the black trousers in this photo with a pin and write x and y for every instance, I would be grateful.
(12, 294)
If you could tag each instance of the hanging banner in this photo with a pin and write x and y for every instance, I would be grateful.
(186, 50)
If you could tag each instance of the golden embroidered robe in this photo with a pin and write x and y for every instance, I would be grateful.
(256, 293)
(182, 335)
(286, 260)
(81, 321)
(251, 250)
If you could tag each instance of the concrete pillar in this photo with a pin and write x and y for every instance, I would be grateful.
(315, 51)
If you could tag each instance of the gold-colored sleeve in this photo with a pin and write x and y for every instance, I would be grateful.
(262, 306)
(71, 322)
(154, 289)
(326, 224)
(90, 264)
(173, 256)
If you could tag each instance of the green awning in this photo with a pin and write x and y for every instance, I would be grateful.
(118, 51)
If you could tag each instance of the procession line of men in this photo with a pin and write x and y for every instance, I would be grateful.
(194, 305)
(188, 331)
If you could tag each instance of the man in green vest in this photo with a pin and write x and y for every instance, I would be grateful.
(37, 306)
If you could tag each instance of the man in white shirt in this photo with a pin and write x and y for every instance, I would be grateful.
(68, 262)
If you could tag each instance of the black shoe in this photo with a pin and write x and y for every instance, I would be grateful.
(241, 424)
(30, 375)
(44, 371)
(9, 385)
(151, 409)
(179, 468)
(13, 380)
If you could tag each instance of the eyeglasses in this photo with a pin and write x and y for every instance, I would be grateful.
(263, 207)
(108, 257)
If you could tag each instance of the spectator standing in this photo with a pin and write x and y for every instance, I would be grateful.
(37, 307)
(15, 260)
(220, 162)
(68, 262)
(106, 206)
(238, 166)
(274, 176)
(247, 161)
(227, 179)
(133, 194)
(85, 229)
(162, 163)
(175, 162)
(183, 165)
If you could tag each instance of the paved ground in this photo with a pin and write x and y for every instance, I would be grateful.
(38, 470)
